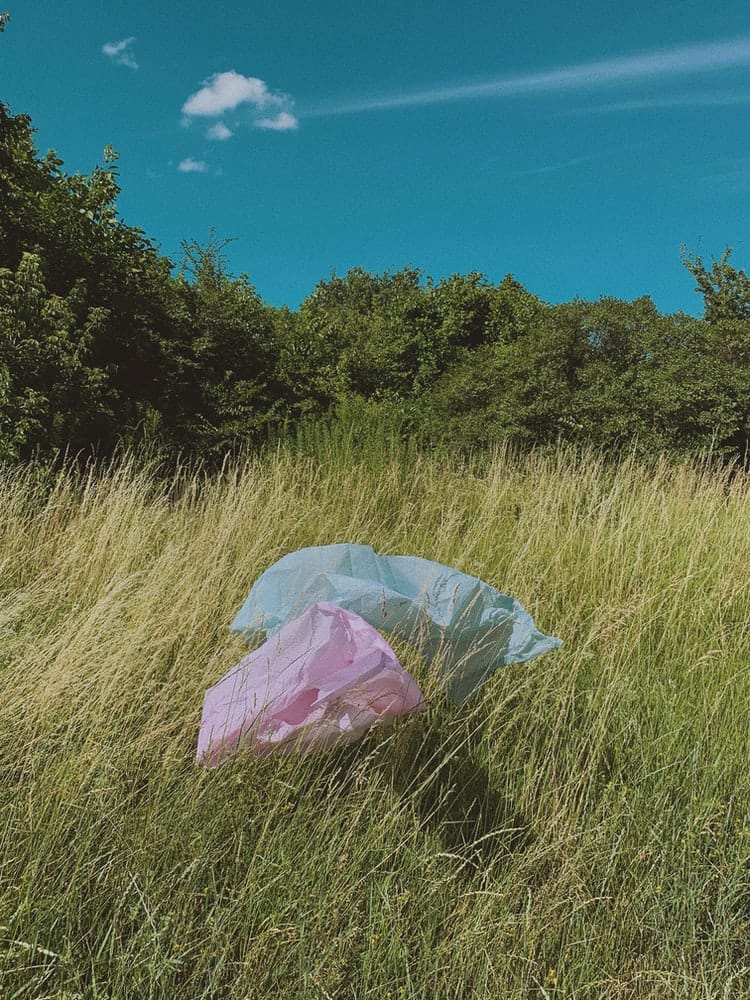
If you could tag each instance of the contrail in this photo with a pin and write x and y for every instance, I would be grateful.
(686, 59)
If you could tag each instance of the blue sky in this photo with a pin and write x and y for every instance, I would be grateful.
(576, 144)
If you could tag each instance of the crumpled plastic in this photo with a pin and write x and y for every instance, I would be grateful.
(474, 628)
(324, 678)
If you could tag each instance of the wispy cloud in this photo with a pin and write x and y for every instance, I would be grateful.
(552, 168)
(226, 91)
(121, 52)
(577, 161)
(191, 166)
(219, 131)
(281, 122)
(716, 100)
(655, 64)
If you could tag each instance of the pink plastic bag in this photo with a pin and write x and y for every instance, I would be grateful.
(324, 678)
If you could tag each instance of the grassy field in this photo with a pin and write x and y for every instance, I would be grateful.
(581, 829)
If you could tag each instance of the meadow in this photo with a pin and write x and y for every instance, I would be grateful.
(581, 829)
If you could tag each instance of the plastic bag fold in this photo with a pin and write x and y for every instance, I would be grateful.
(325, 677)
(472, 626)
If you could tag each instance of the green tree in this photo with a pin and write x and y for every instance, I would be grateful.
(651, 381)
(229, 389)
(725, 289)
(366, 334)
(726, 301)
(48, 388)
(522, 390)
(70, 225)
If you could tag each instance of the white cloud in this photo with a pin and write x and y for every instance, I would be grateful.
(226, 91)
(120, 52)
(656, 64)
(282, 122)
(219, 131)
(191, 166)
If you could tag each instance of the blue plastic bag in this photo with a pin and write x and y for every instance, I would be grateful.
(463, 622)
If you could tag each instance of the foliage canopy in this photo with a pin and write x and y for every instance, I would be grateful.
(104, 340)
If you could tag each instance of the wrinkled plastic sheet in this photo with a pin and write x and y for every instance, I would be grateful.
(467, 626)
(324, 678)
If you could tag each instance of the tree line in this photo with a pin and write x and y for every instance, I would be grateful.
(104, 340)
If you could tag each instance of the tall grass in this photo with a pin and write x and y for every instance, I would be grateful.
(581, 829)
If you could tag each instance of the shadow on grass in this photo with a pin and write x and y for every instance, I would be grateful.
(437, 772)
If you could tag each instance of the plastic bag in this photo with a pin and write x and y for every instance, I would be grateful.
(473, 627)
(324, 678)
